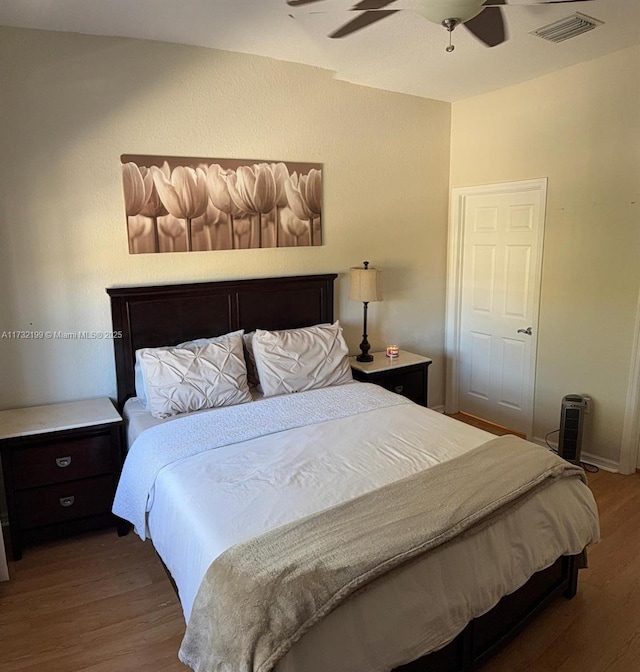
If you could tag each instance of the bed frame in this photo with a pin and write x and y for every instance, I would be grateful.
(170, 314)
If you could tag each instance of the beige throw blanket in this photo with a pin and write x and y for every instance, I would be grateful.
(262, 595)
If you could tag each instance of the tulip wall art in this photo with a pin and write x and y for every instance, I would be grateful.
(187, 205)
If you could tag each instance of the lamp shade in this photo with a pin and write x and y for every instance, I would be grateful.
(366, 284)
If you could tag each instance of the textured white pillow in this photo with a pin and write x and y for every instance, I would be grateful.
(141, 391)
(301, 359)
(250, 358)
(184, 379)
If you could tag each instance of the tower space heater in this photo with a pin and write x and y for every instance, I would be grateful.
(574, 407)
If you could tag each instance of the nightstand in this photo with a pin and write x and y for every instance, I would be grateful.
(61, 465)
(407, 374)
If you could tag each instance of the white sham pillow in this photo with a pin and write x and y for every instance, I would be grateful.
(184, 379)
(250, 358)
(141, 391)
(301, 359)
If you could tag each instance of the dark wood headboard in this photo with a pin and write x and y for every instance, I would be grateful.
(161, 315)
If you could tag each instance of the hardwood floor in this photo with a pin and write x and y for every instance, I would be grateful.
(484, 424)
(97, 603)
(100, 603)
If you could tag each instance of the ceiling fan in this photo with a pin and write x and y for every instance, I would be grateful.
(483, 18)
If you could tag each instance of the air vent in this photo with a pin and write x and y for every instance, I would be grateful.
(566, 28)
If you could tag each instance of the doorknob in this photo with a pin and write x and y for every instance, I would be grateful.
(526, 331)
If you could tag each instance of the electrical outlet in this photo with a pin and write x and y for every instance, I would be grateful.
(588, 404)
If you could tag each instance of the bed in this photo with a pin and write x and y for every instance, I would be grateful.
(399, 620)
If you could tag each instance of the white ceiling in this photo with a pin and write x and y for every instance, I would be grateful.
(404, 52)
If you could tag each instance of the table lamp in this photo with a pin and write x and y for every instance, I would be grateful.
(366, 286)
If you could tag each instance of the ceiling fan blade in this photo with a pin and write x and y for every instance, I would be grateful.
(488, 26)
(502, 3)
(373, 4)
(297, 3)
(362, 21)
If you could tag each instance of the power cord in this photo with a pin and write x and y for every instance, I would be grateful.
(546, 440)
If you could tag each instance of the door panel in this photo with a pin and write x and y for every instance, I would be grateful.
(513, 368)
(485, 218)
(520, 217)
(483, 274)
(516, 291)
(479, 361)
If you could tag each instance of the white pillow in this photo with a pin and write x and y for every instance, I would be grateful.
(141, 391)
(301, 359)
(185, 379)
(250, 358)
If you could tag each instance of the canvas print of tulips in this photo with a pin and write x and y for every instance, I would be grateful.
(187, 205)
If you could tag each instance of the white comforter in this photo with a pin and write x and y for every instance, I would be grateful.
(187, 436)
(340, 442)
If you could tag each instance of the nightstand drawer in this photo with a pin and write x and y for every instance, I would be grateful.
(410, 384)
(62, 460)
(64, 501)
(407, 374)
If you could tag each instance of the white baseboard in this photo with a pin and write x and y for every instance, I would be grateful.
(587, 458)
(601, 463)
(437, 409)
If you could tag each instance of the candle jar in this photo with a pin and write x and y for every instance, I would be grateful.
(393, 351)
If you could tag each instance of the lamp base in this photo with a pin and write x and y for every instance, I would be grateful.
(364, 355)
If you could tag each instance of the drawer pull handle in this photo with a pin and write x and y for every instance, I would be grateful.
(399, 389)
(67, 501)
(63, 461)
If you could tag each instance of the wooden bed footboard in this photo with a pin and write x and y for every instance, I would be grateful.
(486, 635)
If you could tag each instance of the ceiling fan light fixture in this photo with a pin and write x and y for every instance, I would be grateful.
(439, 11)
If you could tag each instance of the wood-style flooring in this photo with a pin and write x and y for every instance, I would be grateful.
(100, 603)
(484, 424)
(93, 603)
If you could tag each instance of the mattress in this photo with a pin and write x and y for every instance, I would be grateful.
(203, 503)
(137, 418)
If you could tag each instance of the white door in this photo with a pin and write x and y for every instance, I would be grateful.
(500, 262)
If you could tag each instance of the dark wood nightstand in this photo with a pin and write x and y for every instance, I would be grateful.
(61, 465)
(407, 374)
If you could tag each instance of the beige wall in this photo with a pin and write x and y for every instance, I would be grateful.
(72, 104)
(579, 127)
